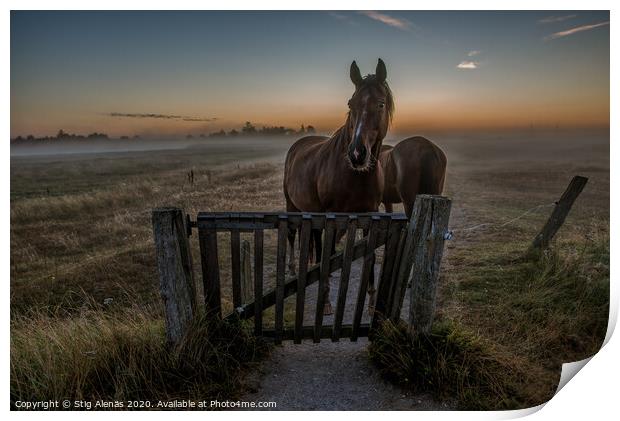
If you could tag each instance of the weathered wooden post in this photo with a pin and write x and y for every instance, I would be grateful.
(421, 260)
(429, 235)
(246, 273)
(174, 262)
(562, 207)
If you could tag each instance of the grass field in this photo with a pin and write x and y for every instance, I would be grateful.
(81, 237)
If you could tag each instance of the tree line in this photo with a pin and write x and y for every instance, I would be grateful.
(62, 135)
(248, 129)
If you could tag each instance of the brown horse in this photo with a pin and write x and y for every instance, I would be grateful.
(340, 173)
(414, 166)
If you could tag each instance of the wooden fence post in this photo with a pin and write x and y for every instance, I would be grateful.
(421, 259)
(246, 273)
(562, 207)
(174, 262)
(428, 236)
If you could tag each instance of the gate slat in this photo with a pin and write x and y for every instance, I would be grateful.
(369, 260)
(210, 270)
(344, 277)
(328, 243)
(393, 287)
(235, 259)
(387, 267)
(290, 287)
(258, 282)
(280, 275)
(304, 247)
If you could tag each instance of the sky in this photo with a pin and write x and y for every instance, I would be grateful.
(177, 73)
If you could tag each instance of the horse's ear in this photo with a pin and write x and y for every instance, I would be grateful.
(381, 72)
(356, 76)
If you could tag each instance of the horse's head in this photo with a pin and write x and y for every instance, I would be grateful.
(370, 113)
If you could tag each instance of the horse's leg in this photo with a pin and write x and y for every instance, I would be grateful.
(290, 207)
(328, 305)
(291, 250)
(318, 246)
(310, 250)
(408, 196)
(408, 208)
(372, 292)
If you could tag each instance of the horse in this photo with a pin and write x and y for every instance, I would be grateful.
(340, 173)
(414, 166)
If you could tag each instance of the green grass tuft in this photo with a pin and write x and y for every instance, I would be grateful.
(527, 316)
(450, 362)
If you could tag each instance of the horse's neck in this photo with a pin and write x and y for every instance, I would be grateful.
(337, 144)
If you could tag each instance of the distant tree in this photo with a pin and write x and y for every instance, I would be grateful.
(136, 136)
(248, 129)
(96, 135)
(233, 132)
(302, 130)
(221, 133)
(61, 134)
(30, 137)
(310, 129)
(189, 136)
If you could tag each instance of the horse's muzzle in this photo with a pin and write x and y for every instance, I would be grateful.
(358, 156)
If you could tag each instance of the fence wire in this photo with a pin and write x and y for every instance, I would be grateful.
(449, 235)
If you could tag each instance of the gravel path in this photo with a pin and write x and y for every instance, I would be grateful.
(331, 375)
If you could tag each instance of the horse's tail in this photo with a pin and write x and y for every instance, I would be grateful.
(433, 171)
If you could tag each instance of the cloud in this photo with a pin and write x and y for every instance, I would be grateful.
(401, 24)
(343, 18)
(473, 53)
(575, 30)
(554, 19)
(161, 116)
(468, 65)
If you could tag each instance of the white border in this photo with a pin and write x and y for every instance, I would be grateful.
(591, 394)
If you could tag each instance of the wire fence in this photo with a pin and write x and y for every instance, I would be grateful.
(450, 234)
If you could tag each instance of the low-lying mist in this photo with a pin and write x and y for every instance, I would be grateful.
(68, 147)
(490, 147)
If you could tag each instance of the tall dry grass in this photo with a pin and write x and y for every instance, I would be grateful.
(123, 356)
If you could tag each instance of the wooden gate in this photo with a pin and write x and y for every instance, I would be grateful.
(380, 230)
(402, 243)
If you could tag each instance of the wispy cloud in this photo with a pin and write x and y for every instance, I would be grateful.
(473, 53)
(342, 17)
(199, 119)
(467, 65)
(554, 19)
(401, 24)
(161, 116)
(575, 30)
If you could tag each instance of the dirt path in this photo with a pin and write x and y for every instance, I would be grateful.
(331, 375)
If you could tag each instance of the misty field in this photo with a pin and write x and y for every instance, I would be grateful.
(84, 284)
